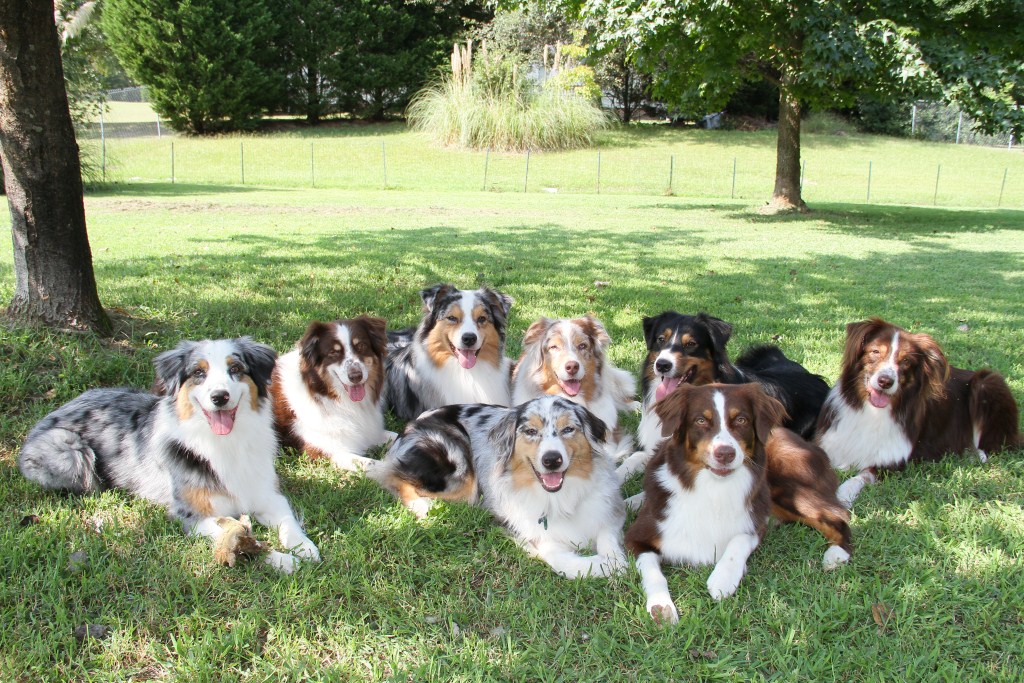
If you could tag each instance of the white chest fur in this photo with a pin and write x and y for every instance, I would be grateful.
(699, 522)
(863, 437)
(451, 383)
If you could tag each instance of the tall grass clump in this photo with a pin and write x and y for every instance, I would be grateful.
(490, 102)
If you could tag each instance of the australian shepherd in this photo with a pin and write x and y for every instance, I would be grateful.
(539, 468)
(202, 444)
(688, 349)
(723, 468)
(898, 399)
(568, 357)
(456, 355)
(327, 391)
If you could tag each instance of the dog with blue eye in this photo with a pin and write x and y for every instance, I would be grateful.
(201, 444)
(540, 468)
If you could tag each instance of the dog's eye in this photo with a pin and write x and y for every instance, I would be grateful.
(690, 343)
(873, 353)
(452, 319)
(740, 420)
(235, 370)
(582, 346)
(199, 374)
(530, 431)
(553, 347)
(701, 421)
(360, 347)
(566, 431)
(661, 339)
(481, 320)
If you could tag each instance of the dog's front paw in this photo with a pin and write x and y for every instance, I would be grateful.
(307, 551)
(282, 562)
(849, 490)
(420, 507)
(723, 582)
(834, 557)
(662, 610)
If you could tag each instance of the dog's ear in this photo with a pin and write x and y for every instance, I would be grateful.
(259, 360)
(171, 368)
(769, 412)
(535, 332)
(377, 331)
(856, 335)
(503, 435)
(672, 409)
(431, 293)
(720, 332)
(596, 331)
(934, 366)
(593, 427)
(309, 345)
(651, 327)
(500, 300)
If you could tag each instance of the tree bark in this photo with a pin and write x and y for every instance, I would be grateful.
(54, 280)
(786, 196)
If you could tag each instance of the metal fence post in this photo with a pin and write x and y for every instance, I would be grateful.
(526, 180)
(241, 157)
(487, 162)
(869, 181)
(172, 162)
(312, 169)
(913, 120)
(733, 195)
(803, 169)
(103, 147)
(1002, 187)
(959, 124)
(599, 171)
(384, 162)
(935, 199)
(671, 170)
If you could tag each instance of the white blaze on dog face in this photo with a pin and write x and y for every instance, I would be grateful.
(569, 356)
(882, 369)
(349, 368)
(217, 382)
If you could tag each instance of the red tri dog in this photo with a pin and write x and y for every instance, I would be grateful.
(723, 468)
(898, 400)
(327, 391)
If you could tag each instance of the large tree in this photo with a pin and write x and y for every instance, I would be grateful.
(54, 280)
(824, 53)
(208, 64)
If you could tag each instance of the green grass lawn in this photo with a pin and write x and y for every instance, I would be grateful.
(935, 588)
(643, 159)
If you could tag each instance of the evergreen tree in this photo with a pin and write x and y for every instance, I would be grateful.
(209, 64)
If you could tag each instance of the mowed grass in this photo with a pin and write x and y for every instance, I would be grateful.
(935, 589)
(640, 159)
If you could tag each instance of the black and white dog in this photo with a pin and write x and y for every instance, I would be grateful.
(540, 468)
(202, 444)
(456, 355)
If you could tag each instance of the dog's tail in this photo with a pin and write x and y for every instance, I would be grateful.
(60, 459)
(993, 412)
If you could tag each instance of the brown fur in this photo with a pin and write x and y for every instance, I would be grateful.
(199, 499)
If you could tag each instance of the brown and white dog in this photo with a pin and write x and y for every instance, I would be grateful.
(327, 391)
(898, 400)
(711, 487)
(456, 355)
(539, 468)
(568, 357)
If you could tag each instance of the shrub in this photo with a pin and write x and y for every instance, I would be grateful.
(491, 103)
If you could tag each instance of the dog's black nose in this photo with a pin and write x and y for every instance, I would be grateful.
(572, 367)
(551, 460)
(220, 398)
(662, 365)
(468, 339)
(884, 381)
(724, 454)
(355, 375)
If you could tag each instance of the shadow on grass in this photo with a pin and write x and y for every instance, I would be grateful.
(172, 189)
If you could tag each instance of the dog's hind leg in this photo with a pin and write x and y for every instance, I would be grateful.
(60, 459)
(849, 490)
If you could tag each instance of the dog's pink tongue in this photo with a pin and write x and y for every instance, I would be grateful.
(221, 421)
(667, 386)
(552, 480)
(356, 392)
(571, 386)
(877, 398)
(467, 357)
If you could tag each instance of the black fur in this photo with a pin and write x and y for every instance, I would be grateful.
(800, 392)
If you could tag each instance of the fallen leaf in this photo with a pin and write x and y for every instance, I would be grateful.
(881, 613)
(964, 327)
(77, 561)
(28, 520)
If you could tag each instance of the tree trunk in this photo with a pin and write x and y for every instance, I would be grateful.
(786, 196)
(54, 280)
